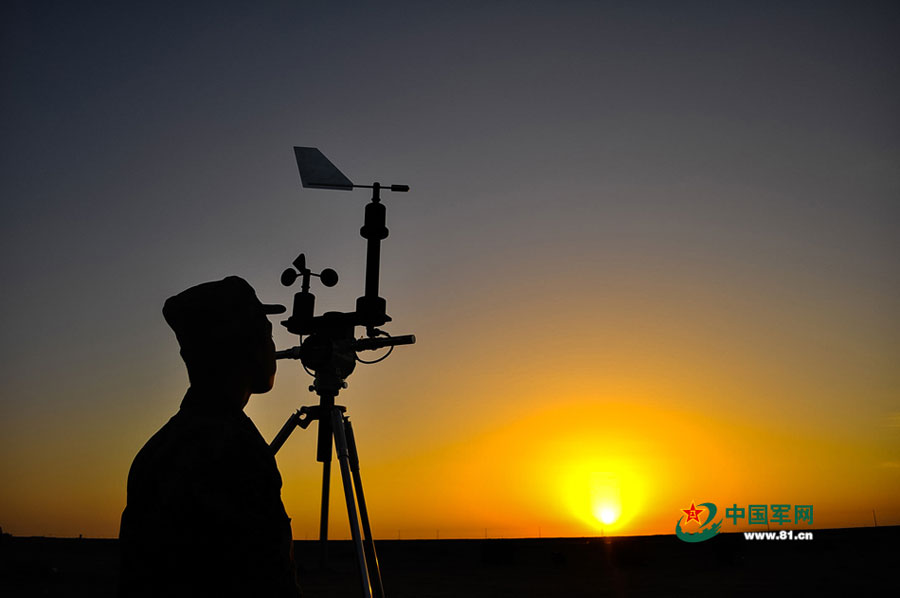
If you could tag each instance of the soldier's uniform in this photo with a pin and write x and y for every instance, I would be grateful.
(204, 514)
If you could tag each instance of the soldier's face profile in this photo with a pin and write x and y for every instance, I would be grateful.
(263, 376)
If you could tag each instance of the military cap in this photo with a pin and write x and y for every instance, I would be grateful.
(216, 311)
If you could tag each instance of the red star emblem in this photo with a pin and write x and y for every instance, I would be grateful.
(692, 513)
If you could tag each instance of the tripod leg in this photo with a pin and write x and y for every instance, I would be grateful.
(323, 519)
(292, 422)
(340, 442)
(369, 543)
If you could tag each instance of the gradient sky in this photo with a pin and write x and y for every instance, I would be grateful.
(650, 253)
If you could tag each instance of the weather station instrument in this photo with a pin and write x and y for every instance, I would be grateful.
(329, 351)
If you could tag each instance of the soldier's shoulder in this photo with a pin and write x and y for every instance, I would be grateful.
(186, 438)
(197, 441)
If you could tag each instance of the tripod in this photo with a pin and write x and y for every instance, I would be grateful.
(334, 423)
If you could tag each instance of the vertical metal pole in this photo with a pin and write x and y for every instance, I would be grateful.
(323, 455)
(323, 518)
(340, 444)
(369, 543)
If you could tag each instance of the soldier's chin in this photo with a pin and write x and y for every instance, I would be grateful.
(264, 386)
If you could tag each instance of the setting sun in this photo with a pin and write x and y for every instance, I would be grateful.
(604, 495)
(607, 515)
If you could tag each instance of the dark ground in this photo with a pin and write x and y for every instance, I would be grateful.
(858, 562)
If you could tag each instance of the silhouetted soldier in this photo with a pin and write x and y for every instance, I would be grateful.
(204, 514)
